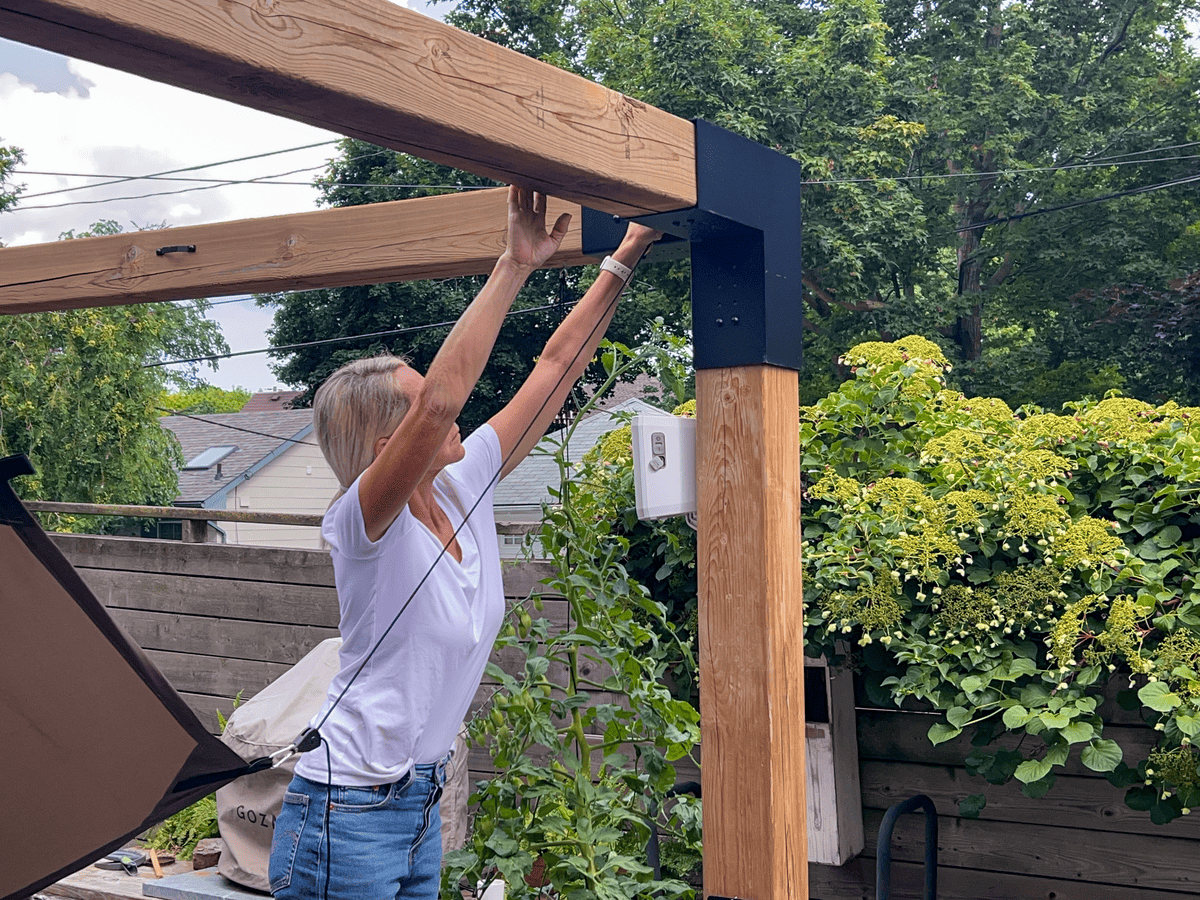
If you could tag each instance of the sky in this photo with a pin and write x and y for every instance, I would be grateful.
(80, 121)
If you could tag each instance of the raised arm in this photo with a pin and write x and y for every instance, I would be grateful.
(404, 457)
(523, 421)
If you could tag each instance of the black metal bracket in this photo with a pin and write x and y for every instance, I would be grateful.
(744, 235)
(177, 248)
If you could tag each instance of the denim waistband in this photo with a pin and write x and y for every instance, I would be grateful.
(434, 771)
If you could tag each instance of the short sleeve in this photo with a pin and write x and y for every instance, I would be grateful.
(344, 529)
(479, 470)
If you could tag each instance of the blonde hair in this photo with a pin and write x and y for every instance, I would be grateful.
(358, 404)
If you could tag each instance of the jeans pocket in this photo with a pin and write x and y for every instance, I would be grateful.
(359, 799)
(288, 828)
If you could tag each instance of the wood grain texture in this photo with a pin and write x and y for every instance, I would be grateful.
(215, 597)
(427, 237)
(1091, 804)
(376, 71)
(1131, 861)
(856, 881)
(751, 633)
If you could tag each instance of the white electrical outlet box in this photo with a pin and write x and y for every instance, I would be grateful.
(664, 466)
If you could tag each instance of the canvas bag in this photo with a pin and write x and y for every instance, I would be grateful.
(269, 721)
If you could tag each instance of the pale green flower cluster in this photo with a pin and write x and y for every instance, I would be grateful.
(874, 605)
(914, 350)
(1032, 515)
(1176, 766)
(1177, 662)
(989, 410)
(1046, 429)
(832, 486)
(1067, 631)
(1121, 638)
(1084, 542)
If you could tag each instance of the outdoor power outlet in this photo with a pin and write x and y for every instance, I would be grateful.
(664, 466)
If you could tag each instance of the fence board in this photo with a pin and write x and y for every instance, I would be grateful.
(216, 597)
(1070, 854)
(216, 675)
(269, 641)
(856, 881)
(1073, 802)
(238, 562)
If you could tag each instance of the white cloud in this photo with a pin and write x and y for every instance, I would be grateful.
(75, 117)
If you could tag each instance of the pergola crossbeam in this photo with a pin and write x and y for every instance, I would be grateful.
(405, 240)
(374, 70)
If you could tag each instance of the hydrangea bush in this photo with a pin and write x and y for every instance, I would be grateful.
(1010, 569)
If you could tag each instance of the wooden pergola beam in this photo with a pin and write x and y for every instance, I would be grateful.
(376, 71)
(406, 240)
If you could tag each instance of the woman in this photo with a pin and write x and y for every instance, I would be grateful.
(361, 817)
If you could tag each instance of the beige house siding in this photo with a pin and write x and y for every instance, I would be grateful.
(298, 481)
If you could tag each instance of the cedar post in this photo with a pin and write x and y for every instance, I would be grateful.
(751, 633)
(747, 322)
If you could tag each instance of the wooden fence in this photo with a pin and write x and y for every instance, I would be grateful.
(223, 620)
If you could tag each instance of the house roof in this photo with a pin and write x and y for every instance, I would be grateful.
(258, 436)
(520, 496)
(265, 401)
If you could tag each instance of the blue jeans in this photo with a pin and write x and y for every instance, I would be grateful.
(383, 842)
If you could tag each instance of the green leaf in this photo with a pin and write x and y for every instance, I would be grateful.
(970, 806)
(1101, 755)
(971, 683)
(1158, 697)
(1016, 716)
(940, 732)
(1058, 753)
(1032, 770)
(1035, 790)
(958, 716)
(1141, 798)
(1078, 732)
(1055, 719)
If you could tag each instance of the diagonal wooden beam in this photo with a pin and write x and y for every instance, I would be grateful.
(374, 70)
(429, 237)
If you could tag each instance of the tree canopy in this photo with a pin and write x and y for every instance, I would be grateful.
(974, 167)
(79, 399)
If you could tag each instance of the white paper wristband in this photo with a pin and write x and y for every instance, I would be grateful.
(619, 269)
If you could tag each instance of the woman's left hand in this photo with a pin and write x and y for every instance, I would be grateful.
(529, 246)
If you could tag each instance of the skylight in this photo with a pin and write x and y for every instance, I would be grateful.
(208, 458)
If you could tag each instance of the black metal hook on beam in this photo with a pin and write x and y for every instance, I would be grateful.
(177, 248)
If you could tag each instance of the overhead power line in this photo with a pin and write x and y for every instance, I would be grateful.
(340, 340)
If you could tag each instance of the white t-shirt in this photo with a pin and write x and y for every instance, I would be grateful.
(409, 702)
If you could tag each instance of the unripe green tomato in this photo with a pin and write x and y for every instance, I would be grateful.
(537, 602)
(497, 717)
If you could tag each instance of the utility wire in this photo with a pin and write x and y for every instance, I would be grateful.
(119, 179)
(337, 340)
(1144, 189)
(175, 412)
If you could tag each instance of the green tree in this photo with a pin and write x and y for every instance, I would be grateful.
(1031, 112)
(959, 154)
(204, 398)
(78, 398)
(367, 174)
(10, 158)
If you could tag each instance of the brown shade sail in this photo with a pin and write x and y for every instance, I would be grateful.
(95, 745)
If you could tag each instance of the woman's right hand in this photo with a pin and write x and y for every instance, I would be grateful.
(529, 246)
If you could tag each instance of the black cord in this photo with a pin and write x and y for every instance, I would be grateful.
(328, 803)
